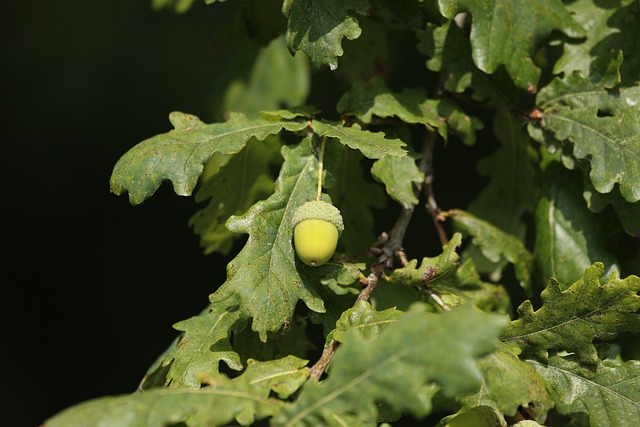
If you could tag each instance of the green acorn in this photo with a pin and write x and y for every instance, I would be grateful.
(317, 225)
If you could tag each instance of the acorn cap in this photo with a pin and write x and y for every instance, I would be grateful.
(318, 210)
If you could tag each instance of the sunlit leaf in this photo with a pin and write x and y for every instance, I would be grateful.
(373, 145)
(507, 32)
(179, 155)
(571, 320)
(399, 174)
(367, 321)
(602, 126)
(282, 376)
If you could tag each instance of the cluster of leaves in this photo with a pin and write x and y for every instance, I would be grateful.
(555, 86)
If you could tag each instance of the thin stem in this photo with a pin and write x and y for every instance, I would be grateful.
(323, 143)
(426, 166)
(435, 297)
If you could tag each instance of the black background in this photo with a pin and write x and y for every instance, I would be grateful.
(92, 285)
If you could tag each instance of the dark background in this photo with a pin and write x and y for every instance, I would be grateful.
(95, 284)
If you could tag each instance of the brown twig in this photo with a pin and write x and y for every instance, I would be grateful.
(426, 166)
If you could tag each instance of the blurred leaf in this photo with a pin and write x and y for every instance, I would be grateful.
(243, 180)
(449, 52)
(512, 190)
(264, 274)
(508, 32)
(603, 127)
(610, 396)
(495, 243)
(398, 13)
(476, 415)
(276, 80)
(570, 320)
(411, 106)
(216, 405)
(569, 238)
(282, 376)
(179, 6)
(179, 155)
(610, 27)
(367, 321)
(417, 349)
(368, 55)
(628, 213)
(373, 145)
(317, 27)
(513, 383)
(398, 174)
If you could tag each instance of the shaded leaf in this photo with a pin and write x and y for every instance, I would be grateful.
(512, 190)
(179, 155)
(570, 320)
(317, 27)
(628, 213)
(416, 349)
(411, 106)
(449, 52)
(356, 196)
(372, 144)
(332, 282)
(610, 396)
(569, 238)
(507, 32)
(243, 180)
(602, 125)
(495, 243)
(610, 26)
(398, 174)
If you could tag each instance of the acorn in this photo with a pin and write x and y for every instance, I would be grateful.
(317, 225)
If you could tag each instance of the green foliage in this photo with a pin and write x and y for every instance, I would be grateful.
(364, 371)
(522, 116)
(570, 320)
